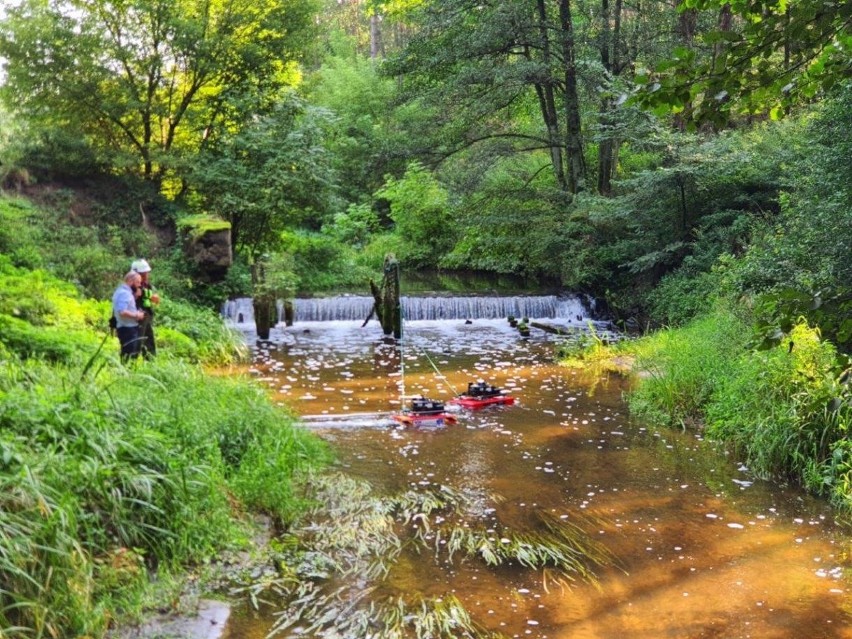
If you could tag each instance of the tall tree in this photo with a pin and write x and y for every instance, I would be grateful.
(145, 79)
(272, 175)
(481, 61)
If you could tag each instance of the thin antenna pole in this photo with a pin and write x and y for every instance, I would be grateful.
(441, 376)
(401, 362)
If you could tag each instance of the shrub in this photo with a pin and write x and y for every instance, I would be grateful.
(784, 409)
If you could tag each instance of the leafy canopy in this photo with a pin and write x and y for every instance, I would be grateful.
(147, 80)
(771, 54)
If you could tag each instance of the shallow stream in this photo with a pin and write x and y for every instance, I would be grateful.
(701, 548)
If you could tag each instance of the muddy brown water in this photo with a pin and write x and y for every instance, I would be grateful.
(702, 548)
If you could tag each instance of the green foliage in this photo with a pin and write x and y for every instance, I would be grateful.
(355, 226)
(44, 317)
(785, 411)
(683, 368)
(322, 264)
(776, 55)
(72, 70)
(197, 334)
(682, 295)
(421, 215)
(50, 343)
(101, 472)
(19, 233)
(706, 201)
(513, 221)
(274, 277)
(43, 237)
(799, 266)
(367, 140)
(272, 175)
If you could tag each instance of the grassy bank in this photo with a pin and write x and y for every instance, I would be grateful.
(115, 480)
(111, 473)
(785, 411)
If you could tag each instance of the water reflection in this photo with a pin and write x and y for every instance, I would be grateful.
(703, 550)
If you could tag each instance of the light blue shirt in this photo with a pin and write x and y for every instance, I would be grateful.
(124, 300)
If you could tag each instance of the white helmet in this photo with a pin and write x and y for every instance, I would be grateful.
(140, 266)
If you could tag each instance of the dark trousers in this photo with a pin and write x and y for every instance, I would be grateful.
(147, 345)
(128, 337)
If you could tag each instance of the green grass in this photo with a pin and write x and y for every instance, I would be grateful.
(106, 470)
(786, 411)
(42, 316)
(680, 369)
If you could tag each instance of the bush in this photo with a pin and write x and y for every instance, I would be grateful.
(322, 264)
(50, 343)
(786, 412)
(199, 334)
(784, 409)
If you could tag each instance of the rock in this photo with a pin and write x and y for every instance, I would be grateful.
(207, 243)
(210, 622)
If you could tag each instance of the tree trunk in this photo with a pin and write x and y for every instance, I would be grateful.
(263, 304)
(547, 101)
(573, 134)
(289, 313)
(377, 47)
(610, 48)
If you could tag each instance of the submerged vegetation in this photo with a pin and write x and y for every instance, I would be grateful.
(355, 533)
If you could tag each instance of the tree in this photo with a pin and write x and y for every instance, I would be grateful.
(421, 215)
(147, 80)
(365, 140)
(765, 57)
(480, 62)
(273, 175)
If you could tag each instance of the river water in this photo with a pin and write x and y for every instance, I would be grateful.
(702, 548)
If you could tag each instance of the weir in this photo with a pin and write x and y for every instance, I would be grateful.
(357, 308)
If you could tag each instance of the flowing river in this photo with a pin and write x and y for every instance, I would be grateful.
(701, 548)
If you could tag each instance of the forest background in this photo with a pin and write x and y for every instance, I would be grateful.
(685, 163)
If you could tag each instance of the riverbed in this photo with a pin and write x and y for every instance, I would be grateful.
(700, 547)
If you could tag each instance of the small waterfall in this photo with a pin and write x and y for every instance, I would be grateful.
(357, 308)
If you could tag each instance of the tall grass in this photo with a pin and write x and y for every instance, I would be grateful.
(680, 369)
(108, 470)
(44, 317)
(786, 411)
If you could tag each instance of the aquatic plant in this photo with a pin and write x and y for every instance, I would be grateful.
(560, 544)
(347, 614)
(355, 535)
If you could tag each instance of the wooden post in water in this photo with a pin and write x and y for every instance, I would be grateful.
(289, 312)
(388, 306)
(263, 301)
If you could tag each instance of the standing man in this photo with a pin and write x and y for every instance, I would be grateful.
(145, 303)
(127, 316)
